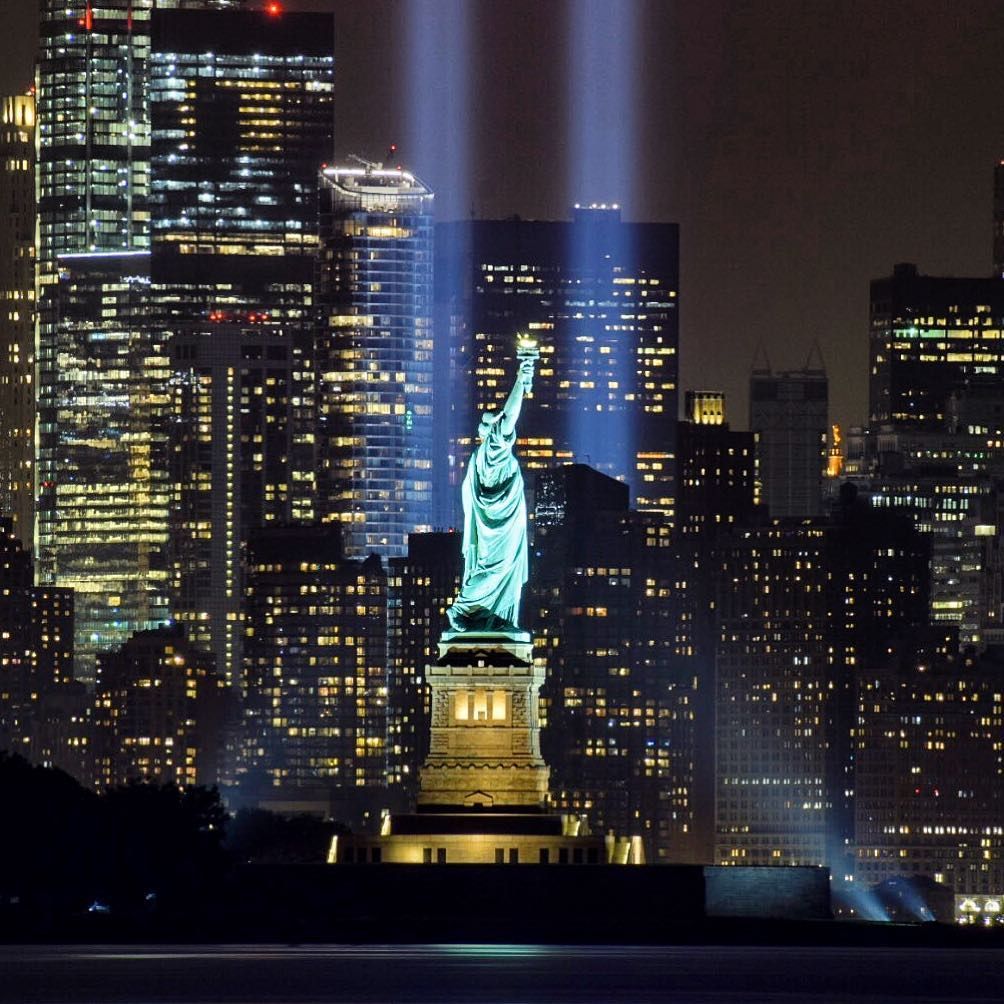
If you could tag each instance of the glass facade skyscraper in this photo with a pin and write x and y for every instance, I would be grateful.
(241, 122)
(101, 495)
(103, 491)
(374, 357)
(94, 128)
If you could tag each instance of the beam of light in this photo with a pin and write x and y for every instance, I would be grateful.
(866, 904)
(602, 100)
(599, 345)
(438, 130)
(437, 146)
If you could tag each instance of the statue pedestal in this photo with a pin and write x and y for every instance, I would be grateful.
(483, 793)
(484, 747)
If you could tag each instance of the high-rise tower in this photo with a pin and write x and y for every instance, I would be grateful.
(101, 495)
(94, 129)
(929, 337)
(101, 523)
(241, 457)
(788, 417)
(374, 357)
(241, 111)
(17, 314)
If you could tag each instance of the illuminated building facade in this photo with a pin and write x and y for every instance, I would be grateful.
(17, 314)
(928, 337)
(716, 494)
(241, 457)
(315, 673)
(946, 479)
(241, 111)
(101, 523)
(420, 587)
(800, 604)
(929, 791)
(716, 470)
(600, 297)
(375, 357)
(609, 611)
(788, 416)
(36, 648)
(94, 130)
(961, 515)
(159, 710)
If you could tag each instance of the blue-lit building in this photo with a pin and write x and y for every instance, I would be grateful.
(600, 296)
(374, 357)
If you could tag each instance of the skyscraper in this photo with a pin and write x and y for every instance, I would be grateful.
(241, 457)
(17, 314)
(94, 129)
(800, 604)
(608, 609)
(241, 109)
(36, 649)
(241, 112)
(930, 336)
(103, 492)
(315, 663)
(788, 417)
(374, 357)
(929, 785)
(159, 709)
(600, 296)
(716, 495)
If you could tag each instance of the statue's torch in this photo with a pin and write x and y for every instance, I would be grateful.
(527, 349)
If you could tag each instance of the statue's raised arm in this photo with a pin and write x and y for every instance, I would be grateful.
(495, 548)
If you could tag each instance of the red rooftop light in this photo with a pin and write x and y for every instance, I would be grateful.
(273, 9)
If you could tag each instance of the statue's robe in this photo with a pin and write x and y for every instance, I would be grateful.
(495, 549)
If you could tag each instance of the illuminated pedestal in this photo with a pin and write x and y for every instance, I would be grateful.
(484, 743)
(483, 791)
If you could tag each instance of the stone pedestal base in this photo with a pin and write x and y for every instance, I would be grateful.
(484, 747)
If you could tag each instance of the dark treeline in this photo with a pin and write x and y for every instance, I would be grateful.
(145, 851)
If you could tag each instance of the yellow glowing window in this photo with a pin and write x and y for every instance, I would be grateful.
(480, 705)
(461, 709)
(498, 705)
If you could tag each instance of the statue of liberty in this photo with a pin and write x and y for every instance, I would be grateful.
(494, 547)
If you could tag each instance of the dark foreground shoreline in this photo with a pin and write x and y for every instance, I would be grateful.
(543, 905)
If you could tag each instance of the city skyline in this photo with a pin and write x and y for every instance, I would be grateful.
(265, 337)
(802, 152)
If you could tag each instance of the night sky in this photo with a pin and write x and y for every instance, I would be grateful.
(803, 146)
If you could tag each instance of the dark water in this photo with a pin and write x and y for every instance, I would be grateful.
(493, 974)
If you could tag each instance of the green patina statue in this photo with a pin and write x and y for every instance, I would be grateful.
(495, 549)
